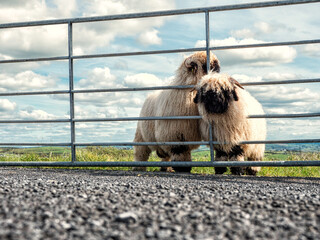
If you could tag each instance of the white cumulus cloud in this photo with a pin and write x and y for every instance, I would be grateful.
(27, 80)
(150, 38)
(35, 114)
(52, 40)
(7, 106)
(266, 56)
(142, 80)
(99, 78)
(312, 50)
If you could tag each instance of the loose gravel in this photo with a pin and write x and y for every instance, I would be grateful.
(97, 204)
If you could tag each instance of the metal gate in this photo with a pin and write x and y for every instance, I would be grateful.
(71, 92)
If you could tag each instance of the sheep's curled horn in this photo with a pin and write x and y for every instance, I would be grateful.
(190, 64)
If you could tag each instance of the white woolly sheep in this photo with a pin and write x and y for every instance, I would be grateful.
(173, 102)
(223, 102)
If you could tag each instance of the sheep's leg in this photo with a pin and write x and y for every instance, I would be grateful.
(221, 156)
(181, 153)
(237, 154)
(164, 158)
(141, 153)
(253, 170)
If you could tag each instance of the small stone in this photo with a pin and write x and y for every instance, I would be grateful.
(164, 234)
(149, 232)
(127, 217)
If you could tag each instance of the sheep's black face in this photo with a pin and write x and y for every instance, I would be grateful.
(215, 101)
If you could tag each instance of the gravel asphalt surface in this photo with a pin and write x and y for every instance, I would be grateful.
(97, 204)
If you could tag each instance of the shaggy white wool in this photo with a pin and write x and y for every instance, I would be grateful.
(173, 102)
(233, 126)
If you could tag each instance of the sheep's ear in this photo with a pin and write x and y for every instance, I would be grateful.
(235, 82)
(215, 66)
(235, 95)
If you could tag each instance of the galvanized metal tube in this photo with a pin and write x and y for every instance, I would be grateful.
(138, 118)
(163, 51)
(34, 59)
(297, 81)
(211, 141)
(302, 115)
(198, 49)
(83, 144)
(207, 18)
(140, 143)
(195, 143)
(37, 144)
(34, 93)
(72, 123)
(133, 89)
(158, 13)
(35, 121)
(207, 24)
(139, 53)
(276, 44)
(164, 164)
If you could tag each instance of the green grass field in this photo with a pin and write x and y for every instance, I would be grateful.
(56, 154)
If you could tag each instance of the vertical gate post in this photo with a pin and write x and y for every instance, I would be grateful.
(71, 94)
(208, 69)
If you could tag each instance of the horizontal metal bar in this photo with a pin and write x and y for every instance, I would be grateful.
(301, 115)
(165, 164)
(275, 44)
(161, 143)
(138, 118)
(121, 54)
(194, 143)
(298, 81)
(133, 89)
(104, 55)
(36, 121)
(279, 141)
(140, 143)
(35, 144)
(158, 13)
(139, 53)
(34, 59)
(314, 80)
(35, 93)
(102, 119)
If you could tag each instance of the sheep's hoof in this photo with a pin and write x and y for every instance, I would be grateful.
(220, 170)
(237, 170)
(252, 171)
(182, 169)
(166, 169)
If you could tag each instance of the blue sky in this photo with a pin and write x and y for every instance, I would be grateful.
(290, 23)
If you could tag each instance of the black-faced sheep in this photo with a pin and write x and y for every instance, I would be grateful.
(223, 102)
(173, 102)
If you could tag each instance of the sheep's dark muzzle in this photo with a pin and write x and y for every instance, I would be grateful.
(214, 101)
